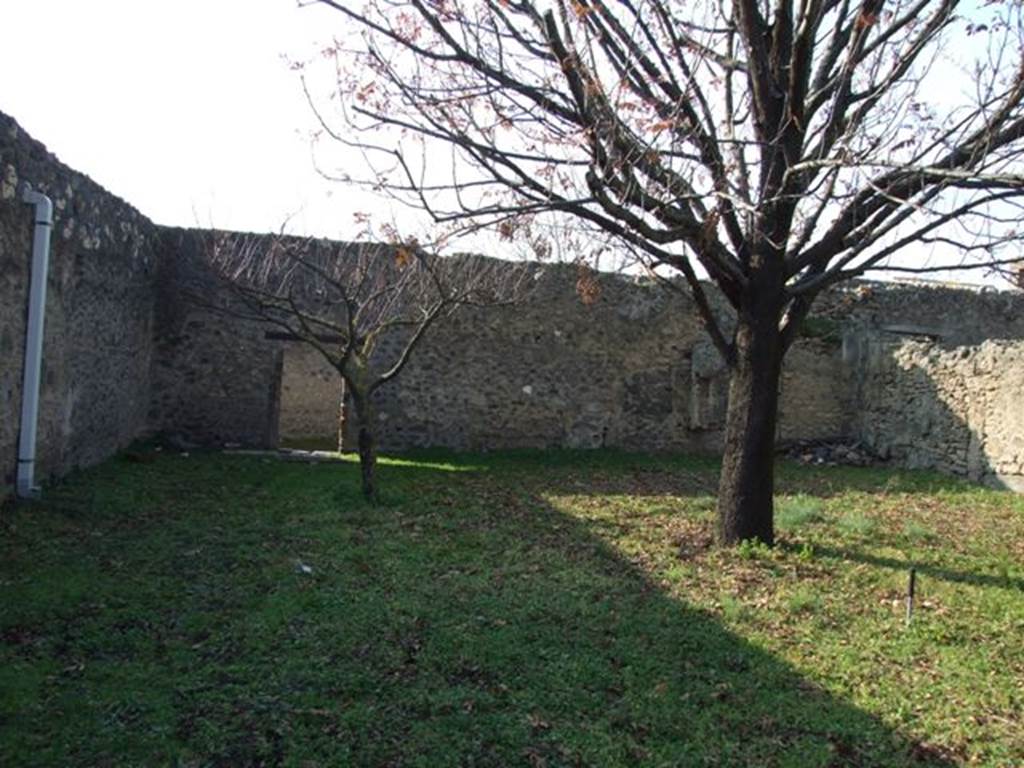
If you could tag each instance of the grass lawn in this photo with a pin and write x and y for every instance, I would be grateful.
(554, 609)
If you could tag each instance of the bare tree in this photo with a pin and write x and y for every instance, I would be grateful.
(364, 307)
(777, 147)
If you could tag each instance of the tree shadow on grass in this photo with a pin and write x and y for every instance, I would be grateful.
(927, 569)
(468, 622)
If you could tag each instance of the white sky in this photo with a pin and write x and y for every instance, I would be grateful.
(186, 109)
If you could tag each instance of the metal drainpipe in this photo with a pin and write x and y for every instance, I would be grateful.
(26, 487)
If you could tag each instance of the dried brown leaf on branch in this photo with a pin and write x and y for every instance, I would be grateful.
(587, 286)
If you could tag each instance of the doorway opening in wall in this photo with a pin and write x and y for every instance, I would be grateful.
(312, 397)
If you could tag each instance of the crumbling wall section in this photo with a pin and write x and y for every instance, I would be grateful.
(955, 315)
(959, 410)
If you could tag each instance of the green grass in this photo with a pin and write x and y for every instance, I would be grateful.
(794, 512)
(916, 531)
(858, 524)
(804, 600)
(535, 609)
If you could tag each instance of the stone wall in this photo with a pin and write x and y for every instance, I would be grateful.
(216, 379)
(959, 410)
(954, 315)
(633, 370)
(98, 340)
(141, 339)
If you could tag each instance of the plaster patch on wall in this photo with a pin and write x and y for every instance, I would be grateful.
(9, 183)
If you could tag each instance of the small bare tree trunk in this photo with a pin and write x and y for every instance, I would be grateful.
(747, 482)
(367, 444)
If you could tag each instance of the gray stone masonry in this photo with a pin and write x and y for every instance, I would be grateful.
(959, 410)
(138, 343)
(99, 331)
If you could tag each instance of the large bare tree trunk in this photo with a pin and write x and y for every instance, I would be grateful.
(367, 445)
(747, 481)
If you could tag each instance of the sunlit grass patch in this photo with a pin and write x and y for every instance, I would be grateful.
(794, 512)
(734, 609)
(856, 523)
(917, 532)
(804, 600)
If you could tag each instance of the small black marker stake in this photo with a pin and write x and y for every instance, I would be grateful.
(911, 587)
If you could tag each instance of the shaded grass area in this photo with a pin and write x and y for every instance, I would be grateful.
(537, 609)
